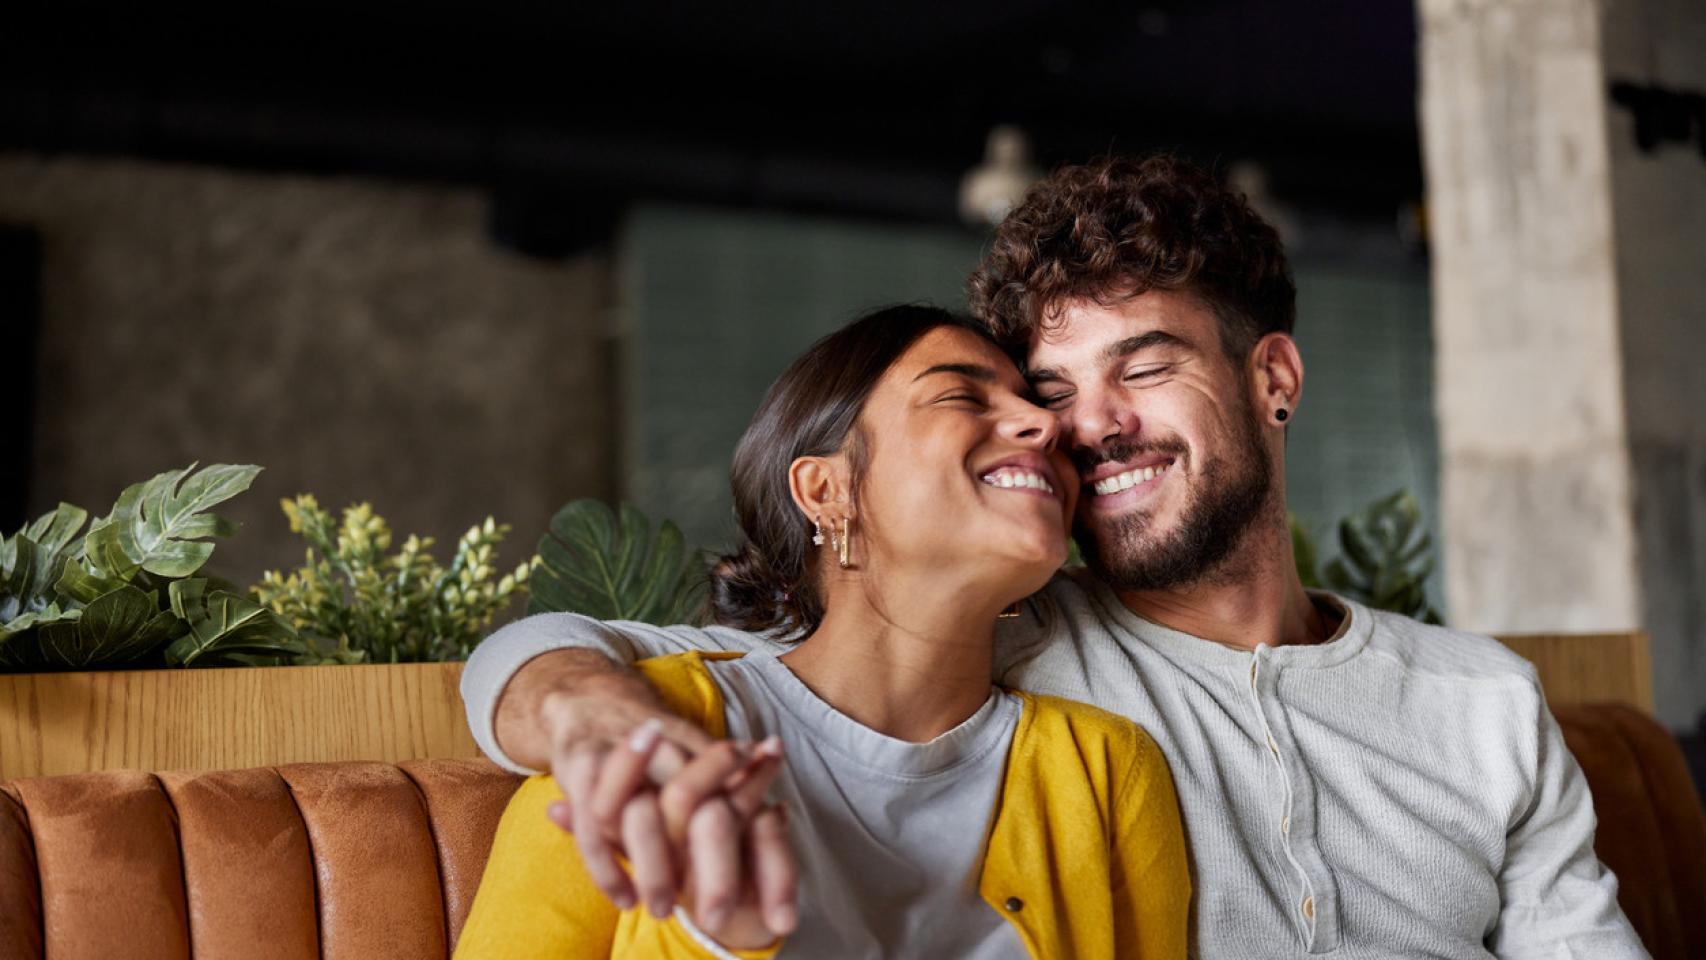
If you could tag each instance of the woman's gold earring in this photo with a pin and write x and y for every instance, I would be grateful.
(846, 542)
(817, 532)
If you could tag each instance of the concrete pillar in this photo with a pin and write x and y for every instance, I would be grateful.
(1569, 288)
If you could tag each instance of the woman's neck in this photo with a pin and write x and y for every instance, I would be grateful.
(912, 671)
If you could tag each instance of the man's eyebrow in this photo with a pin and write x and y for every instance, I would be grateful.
(972, 370)
(1143, 341)
(1112, 352)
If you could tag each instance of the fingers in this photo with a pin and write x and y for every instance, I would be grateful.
(772, 863)
(577, 774)
(747, 787)
(624, 774)
(697, 782)
(690, 737)
(649, 855)
(713, 839)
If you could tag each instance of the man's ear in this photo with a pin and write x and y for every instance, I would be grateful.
(822, 487)
(1277, 371)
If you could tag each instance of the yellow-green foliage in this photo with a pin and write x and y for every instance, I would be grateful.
(388, 607)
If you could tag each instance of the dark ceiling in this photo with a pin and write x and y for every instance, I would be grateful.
(875, 108)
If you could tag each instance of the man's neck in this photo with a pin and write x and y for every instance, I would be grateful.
(912, 673)
(1260, 601)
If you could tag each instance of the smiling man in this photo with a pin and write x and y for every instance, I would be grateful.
(1351, 781)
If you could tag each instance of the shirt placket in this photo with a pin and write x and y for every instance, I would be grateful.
(1314, 906)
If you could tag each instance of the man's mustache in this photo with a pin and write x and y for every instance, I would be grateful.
(1120, 451)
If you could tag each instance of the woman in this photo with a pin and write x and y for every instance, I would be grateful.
(898, 490)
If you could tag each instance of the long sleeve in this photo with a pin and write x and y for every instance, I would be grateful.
(1151, 873)
(500, 655)
(1557, 900)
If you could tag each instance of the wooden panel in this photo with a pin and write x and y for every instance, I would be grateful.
(1590, 667)
(54, 723)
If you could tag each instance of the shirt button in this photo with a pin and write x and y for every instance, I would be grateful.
(1309, 908)
(1014, 904)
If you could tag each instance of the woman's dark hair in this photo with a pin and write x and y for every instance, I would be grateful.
(812, 410)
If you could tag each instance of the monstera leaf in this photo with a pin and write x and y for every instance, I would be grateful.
(31, 562)
(119, 627)
(593, 563)
(159, 525)
(70, 602)
(227, 628)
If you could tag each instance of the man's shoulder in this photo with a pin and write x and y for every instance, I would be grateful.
(1070, 600)
(1434, 650)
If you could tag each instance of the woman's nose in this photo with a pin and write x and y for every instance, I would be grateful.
(1033, 426)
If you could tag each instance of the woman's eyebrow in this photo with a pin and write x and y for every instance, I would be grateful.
(972, 370)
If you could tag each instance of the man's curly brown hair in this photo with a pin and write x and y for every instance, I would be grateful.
(1118, 227)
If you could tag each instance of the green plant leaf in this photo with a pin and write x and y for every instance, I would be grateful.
(158, 525)
(118, 627)
(1387, 559)
(80, 584)
(30, 564)
(1356, 545)
(24, 621)
(1303, 553)
(591, 563)
(224, 626)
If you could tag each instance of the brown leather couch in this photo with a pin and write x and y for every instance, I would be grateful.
(362, 861)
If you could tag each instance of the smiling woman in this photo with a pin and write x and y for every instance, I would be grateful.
(898, 488)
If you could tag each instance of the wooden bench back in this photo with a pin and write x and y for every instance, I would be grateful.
(1590, 667)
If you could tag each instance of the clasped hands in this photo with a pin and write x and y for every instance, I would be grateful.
(686, 811)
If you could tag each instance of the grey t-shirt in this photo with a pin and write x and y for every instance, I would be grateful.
(891, 832)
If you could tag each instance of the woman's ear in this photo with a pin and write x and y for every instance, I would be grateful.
(1277, 370)
(822, 487)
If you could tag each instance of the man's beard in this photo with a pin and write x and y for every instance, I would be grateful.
(1228, 495)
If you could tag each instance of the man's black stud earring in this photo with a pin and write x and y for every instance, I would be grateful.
(1281, 414)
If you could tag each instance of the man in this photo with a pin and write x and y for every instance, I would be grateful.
(1350, 780)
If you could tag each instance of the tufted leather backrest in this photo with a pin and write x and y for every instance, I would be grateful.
(342, 861)
(1651, 833)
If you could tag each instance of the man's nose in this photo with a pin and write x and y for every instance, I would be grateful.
(1096, 420)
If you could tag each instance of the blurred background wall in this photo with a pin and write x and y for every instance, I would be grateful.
(463, 260)
(362, 340)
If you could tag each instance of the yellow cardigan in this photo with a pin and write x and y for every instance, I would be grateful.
(1086, 857)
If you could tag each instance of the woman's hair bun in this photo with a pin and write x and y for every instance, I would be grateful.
(747, 593)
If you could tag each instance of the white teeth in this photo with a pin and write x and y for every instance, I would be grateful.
(1008, 478)
(1129, 479)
